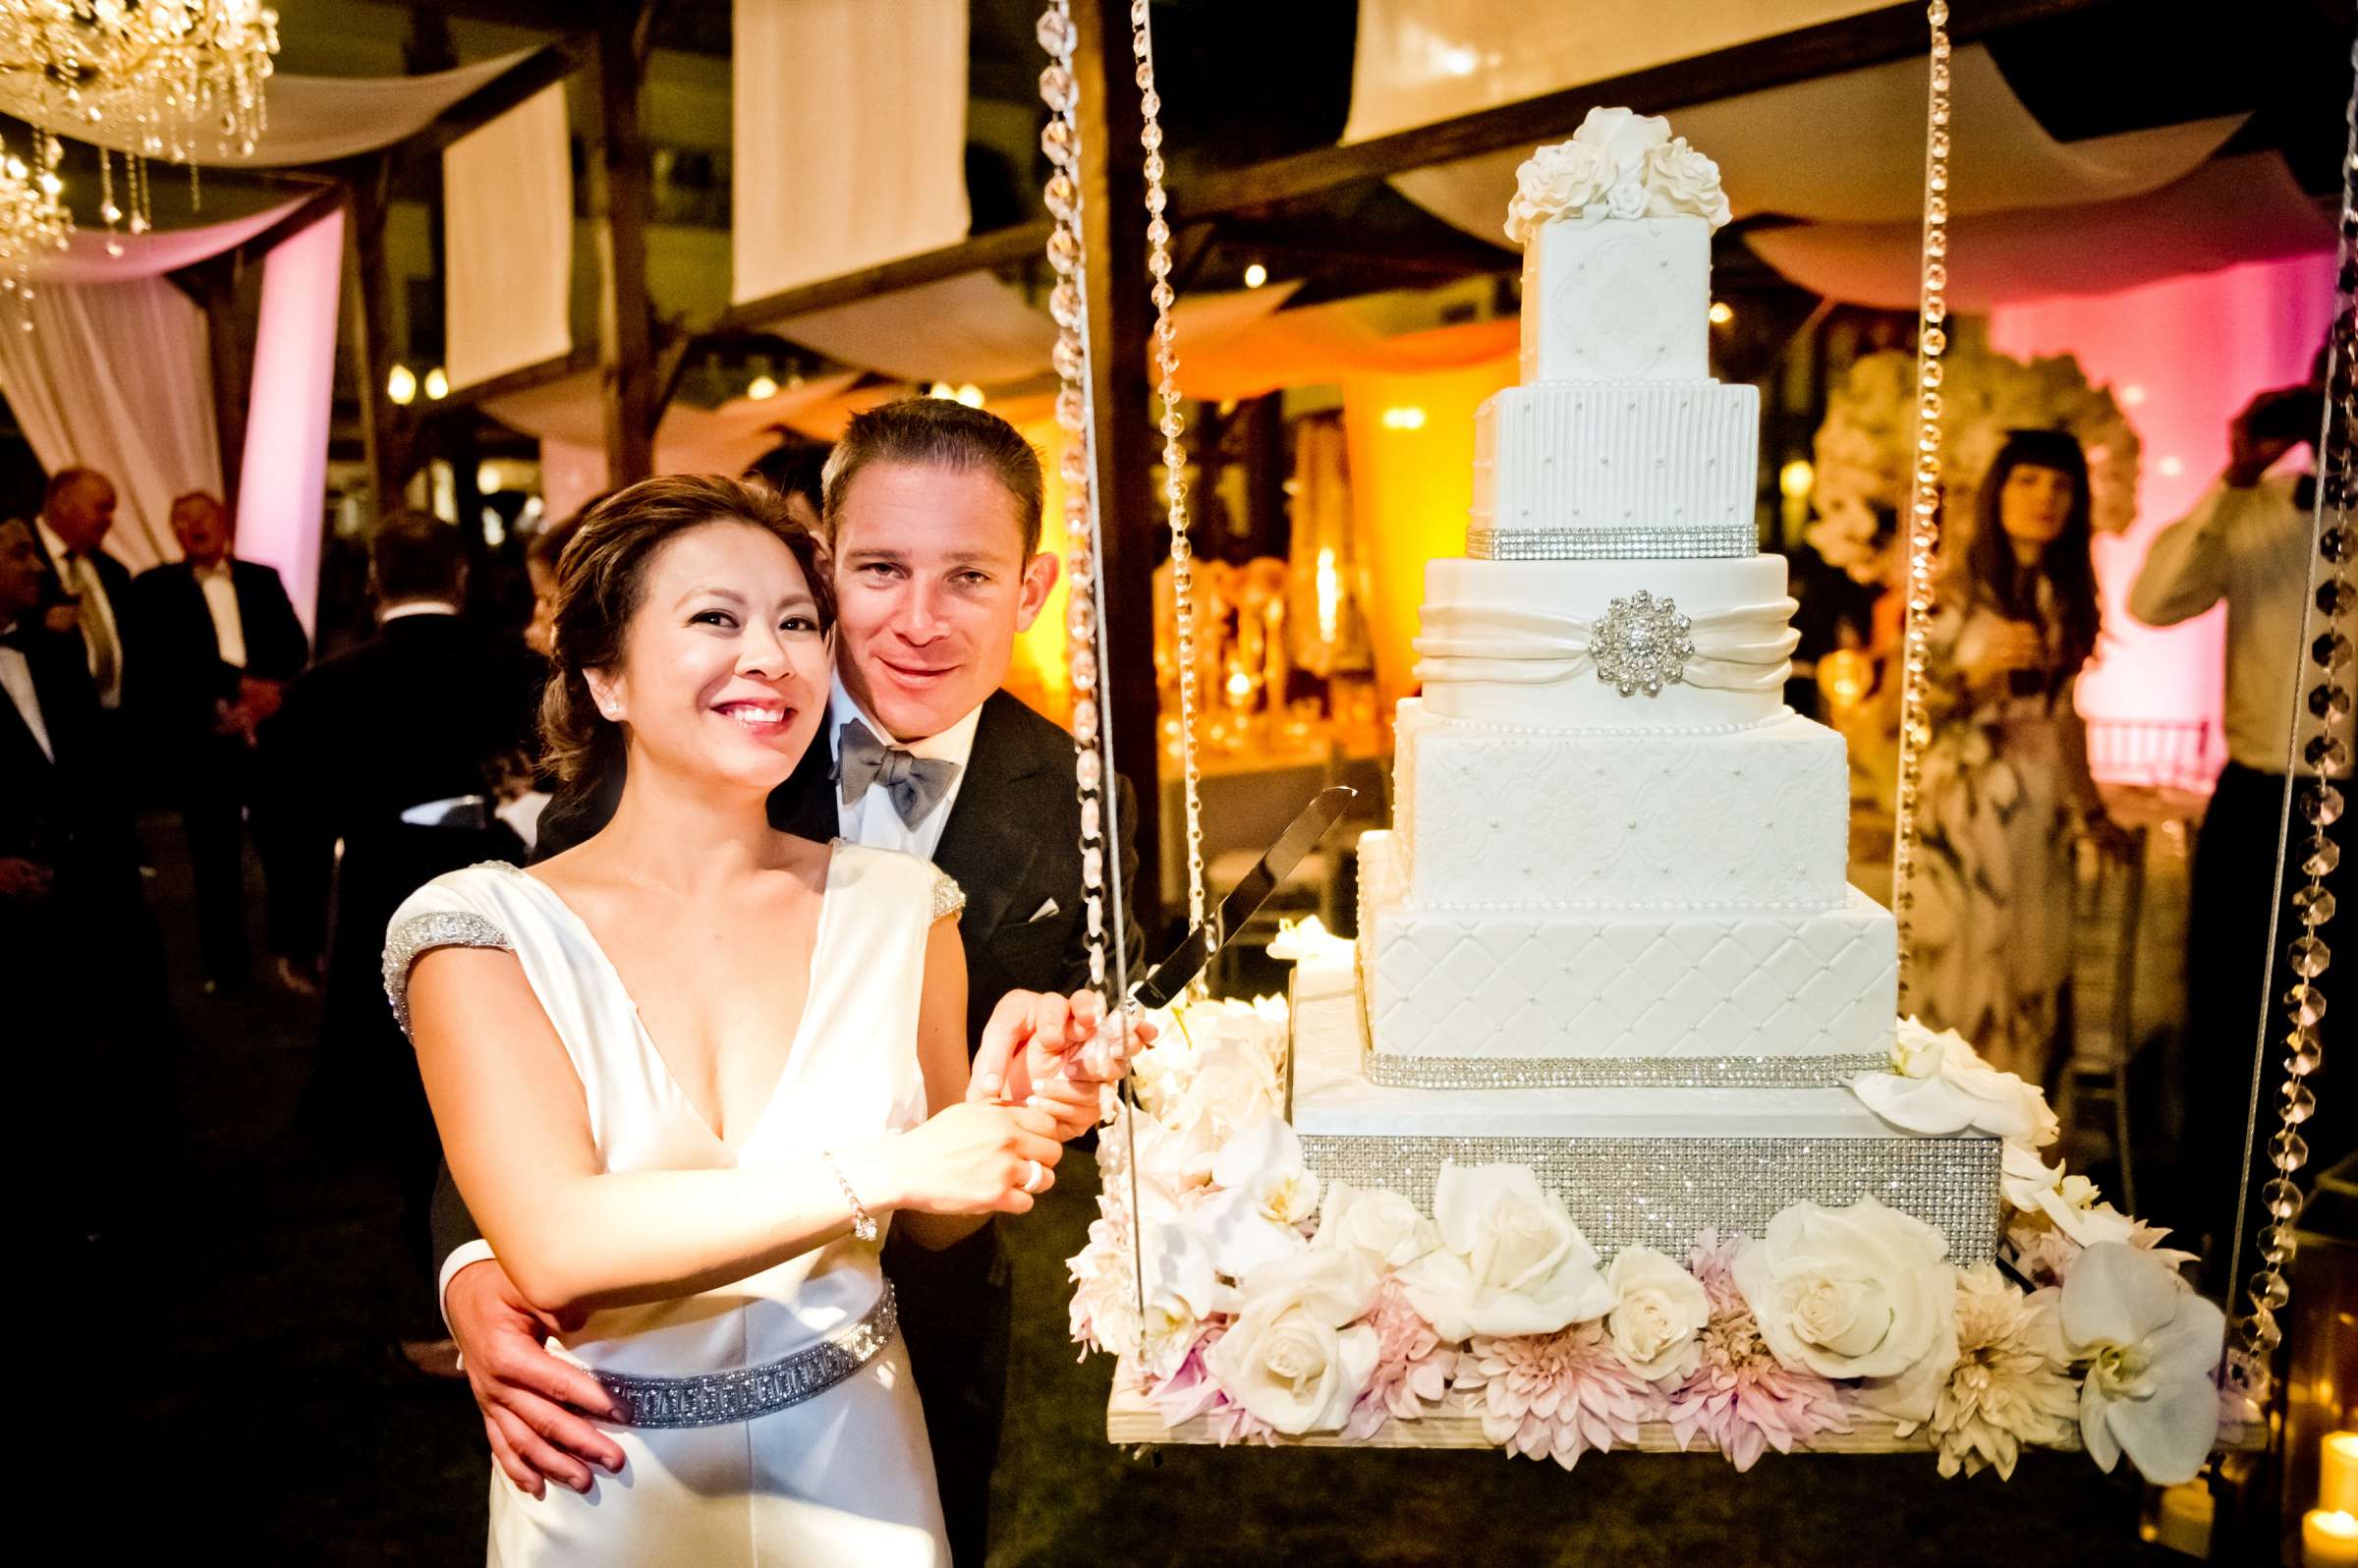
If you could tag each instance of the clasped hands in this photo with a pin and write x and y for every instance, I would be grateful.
(1056, 1054)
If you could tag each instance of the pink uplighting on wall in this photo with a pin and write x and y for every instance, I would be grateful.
(282, 481)
(2182, 358)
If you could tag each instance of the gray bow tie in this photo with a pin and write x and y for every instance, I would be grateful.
(915, 784)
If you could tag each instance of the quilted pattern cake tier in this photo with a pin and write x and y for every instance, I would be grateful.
(1473, 999)
(1753, 818)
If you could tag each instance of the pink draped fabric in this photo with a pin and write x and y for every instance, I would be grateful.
(282, 490)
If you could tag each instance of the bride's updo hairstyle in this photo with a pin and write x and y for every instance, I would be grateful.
(602, 578)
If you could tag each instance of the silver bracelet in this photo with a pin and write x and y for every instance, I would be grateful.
(863, 1224)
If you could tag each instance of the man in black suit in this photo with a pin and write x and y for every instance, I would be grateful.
(934, 512)
(366, 753)
(78, 963)
(86, 593)
(218, 639)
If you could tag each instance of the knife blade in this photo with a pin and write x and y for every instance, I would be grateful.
(1169, 979)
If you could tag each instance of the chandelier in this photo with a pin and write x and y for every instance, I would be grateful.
(156, 78)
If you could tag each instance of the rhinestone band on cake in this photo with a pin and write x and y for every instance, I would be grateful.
(1661, 1192)
(1395, 1070)
(1719, 539)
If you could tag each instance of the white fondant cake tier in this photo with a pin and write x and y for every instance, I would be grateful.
(1459, 998)
(1755, 819)
(1593, 470)
(1461, 590)
(1617, 300)
(1652, 1165)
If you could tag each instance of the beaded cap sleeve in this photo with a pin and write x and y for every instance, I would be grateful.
(439, 915)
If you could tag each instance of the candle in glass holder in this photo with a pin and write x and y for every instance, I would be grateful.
(2337, 1473)
(2329, 1540)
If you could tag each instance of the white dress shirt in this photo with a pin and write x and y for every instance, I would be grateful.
(2251, 548)
(220, 587)
(872, 818)
(409, 607)
(16, 678)
(80, 576)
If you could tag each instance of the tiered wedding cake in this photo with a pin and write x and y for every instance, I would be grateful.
(1610, 933)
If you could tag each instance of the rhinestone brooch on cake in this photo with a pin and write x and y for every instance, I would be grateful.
(1642, 644)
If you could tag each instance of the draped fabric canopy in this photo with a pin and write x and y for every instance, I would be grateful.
(507, 240)
(313, 119)
(85, 258)
(118, 376)
(850, 137)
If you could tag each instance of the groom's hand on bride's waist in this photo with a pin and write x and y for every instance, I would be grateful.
(531, 1401)
(1056, 1054)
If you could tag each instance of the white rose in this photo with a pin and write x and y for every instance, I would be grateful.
(1624, 135)
(1511, 1261)
(1555, 182)
(1684, 181)
(1857, 1292)
(1626, 200)
(1292, 1357)
(1384, 1228)
(1658, 1308)
(1264, 1194)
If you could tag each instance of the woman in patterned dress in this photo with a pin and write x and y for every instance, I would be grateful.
(2005, 787)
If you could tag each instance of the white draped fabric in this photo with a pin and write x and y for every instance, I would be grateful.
(850, 124)
(85, 258)
(1418, 61)
(282, 484)
(2228, 211)
(1850, 148)
(507, 204)
(117, 377)
(313, 119)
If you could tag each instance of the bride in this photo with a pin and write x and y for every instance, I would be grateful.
(687, 1072)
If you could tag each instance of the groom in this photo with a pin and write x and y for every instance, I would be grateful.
(933, 515)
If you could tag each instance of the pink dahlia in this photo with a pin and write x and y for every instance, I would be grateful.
(1740, 1397)
(1412, 1366)
(1193, 1392)
(1555, 1395)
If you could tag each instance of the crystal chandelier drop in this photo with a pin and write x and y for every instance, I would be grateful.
(32, 219)
(160, 78)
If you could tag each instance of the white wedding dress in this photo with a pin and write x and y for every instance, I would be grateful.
(845, 1475)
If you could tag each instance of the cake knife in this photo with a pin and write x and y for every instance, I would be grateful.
(1169, 979)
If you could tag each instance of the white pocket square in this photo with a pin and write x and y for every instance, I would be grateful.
(1044, 912)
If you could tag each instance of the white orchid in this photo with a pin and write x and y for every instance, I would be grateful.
(2150, 1346)
(1939, 1085)
(1264, 1194)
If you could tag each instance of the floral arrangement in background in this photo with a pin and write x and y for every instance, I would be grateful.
(1865, 451)
(1278, 1305)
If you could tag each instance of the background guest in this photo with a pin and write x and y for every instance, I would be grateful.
(80, 970)
(796, 471)
(2246, 542)
(88, 592)
(2005, 777)
(540, 569)
(218, 639)
(362, 763)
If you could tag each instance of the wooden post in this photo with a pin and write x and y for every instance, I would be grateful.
(1120, 318)
(620, 195)
(385, 425)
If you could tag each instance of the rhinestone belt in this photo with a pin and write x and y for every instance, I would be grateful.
(718, 1398)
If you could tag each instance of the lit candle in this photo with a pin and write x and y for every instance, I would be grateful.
(2337, 1473)
(2329, 1540)
(2184, 1520)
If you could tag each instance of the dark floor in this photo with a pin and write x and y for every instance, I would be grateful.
(268, 1422)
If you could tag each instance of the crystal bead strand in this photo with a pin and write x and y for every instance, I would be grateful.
(2321, 758)
(1923, 506)
(1067, 304)
(1174, 451)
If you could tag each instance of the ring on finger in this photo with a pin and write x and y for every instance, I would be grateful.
(1036, 1176)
